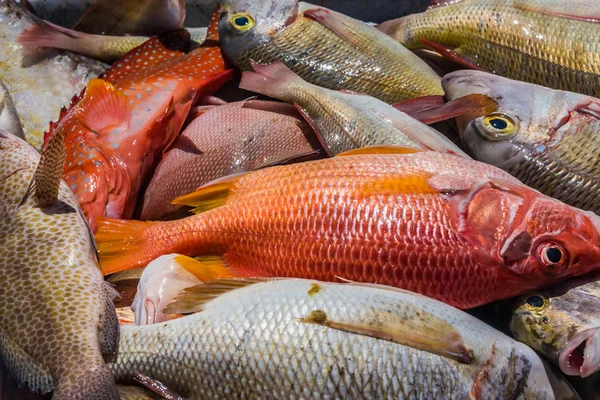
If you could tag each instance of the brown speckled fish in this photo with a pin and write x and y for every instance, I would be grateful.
(49, 272)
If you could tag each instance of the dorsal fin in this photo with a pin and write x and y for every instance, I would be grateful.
(443, 3)
(194, 298)
(156, 50)
(48, 174)
(212, 195)
(212, 33)
(380, 150)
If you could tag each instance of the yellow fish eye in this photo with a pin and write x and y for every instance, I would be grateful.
(537, 301)
(498, 126)
(242, 22)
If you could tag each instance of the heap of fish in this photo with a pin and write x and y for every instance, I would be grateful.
(324, 240)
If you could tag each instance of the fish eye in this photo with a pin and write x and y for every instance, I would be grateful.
(553, 258)
(498, 126)
(535, 301)
(242, 22)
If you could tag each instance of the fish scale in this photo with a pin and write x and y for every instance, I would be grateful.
(251, 343)
(510, 41)
(318, 55)
(320, 220)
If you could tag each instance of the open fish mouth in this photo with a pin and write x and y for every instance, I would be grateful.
(581, 356)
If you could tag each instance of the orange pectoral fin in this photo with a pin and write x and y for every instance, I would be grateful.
(103, 107)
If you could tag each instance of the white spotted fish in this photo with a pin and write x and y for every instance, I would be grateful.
(124, 121)
(49, 272)
(295, 338)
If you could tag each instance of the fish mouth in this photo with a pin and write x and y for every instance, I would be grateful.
(581, 356)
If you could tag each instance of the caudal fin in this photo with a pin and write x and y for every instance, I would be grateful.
(123, 244)
(271, 80)
(46, 34)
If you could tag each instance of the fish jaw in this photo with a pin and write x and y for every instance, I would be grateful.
(581, 356)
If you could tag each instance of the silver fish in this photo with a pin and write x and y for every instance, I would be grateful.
(296, 338)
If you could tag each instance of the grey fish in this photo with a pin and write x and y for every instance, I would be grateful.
(295, 338)
(549, 139)
(39, 86)
(323, 47)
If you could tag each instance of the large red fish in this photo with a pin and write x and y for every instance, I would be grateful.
(451, 228)
(123, 122)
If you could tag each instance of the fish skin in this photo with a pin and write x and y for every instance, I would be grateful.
(100, 47)
(345, 121)
(41, 83)
(50, 271)
(108, 163)
(567, 318)
(426, 222)
(555, 147)
(523, 44)
(9, 119)
(225, 140)
(381, 69)
(260, 325)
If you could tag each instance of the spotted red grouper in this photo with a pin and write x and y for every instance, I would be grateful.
(124, 121)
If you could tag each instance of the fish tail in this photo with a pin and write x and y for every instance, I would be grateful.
(46, 34)
(271, 80)
(123, 244)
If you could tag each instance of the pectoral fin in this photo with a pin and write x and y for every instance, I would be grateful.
(210, 196)
(451, 55)
(416, 328)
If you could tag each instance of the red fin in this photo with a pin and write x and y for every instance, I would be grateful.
(451, 55)
(412, 106)
(155, 51)
(103, 107)
(452, 109)
(212, 34)
(180, 113)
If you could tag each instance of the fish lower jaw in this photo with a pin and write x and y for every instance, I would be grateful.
(581, 355)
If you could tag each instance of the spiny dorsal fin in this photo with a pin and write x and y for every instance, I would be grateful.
(48, 174)
(209, 196)
(380, 150)
(194, 298)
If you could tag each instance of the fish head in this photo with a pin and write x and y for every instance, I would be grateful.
(245, 24)
(528, 119)
(162, 280)
(563, 324)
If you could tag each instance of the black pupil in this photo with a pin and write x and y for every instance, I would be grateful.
(535, 301)
(242, 21)
(553, 255)
(499, 124)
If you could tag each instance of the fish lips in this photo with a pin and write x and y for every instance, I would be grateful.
(581, 355)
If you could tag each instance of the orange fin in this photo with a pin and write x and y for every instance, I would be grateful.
(194, 298)
(48, 174)
(212, 33)
(582, 10)
(156, 386)
(396, 185)
(103, 107)
(212, 195)
(416, 328)
(206, 268)
(381, 150)
(451, 55)
(121, 244)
